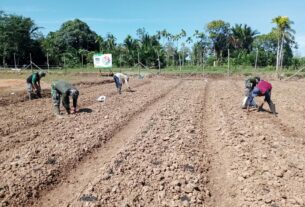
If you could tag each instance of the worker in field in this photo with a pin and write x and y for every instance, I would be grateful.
(120, 79)
(63, 90)
(33, 84)
(250, 83)
(263, 88)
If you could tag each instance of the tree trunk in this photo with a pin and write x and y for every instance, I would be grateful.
(281, 54)
(256, 57)
(278, 56)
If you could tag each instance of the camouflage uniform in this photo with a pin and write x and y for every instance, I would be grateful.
(64, 89)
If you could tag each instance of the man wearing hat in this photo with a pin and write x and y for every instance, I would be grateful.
(33, 84)
(119, 79)
(62, 89)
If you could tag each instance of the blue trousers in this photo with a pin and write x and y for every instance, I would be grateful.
(117, 82)
(257, 92)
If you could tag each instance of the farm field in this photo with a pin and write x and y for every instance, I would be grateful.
(174, 141)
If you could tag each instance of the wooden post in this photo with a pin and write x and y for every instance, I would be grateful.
(179, 62)
(48, 62)
(256, 58)
(64, 61)
(139, 62)
(228, 62)
(202, 62)
(31, 62)
(120, 63)
(15, 60)
(159, 62)
(65, 64)
(183, 58)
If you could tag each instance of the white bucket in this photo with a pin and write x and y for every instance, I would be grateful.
(101, 99)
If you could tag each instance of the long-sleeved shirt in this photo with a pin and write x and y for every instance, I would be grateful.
(63, 88)
(122, 78)
(264, 86)
(33, 79)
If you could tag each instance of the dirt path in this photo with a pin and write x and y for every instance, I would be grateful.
(91, 168)
(59, 146)
(170, 143)
(40, 111)
(256, 160)
(163, 164)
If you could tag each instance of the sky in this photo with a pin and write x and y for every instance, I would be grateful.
(123, 17)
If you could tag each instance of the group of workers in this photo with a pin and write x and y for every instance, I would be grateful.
(254, 87)
(62, 90)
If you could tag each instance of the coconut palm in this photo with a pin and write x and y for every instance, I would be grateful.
(242, 37)
(284, 32)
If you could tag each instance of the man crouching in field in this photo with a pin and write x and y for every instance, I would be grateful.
(263, 88)
(64, 89)
(33, 84)
(119, 79)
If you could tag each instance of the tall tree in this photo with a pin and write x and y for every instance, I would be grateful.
(284, 32)
(219, 32)
(200, 47)
(242, 37)
(131, 47)
(20, 36)
(72, 37)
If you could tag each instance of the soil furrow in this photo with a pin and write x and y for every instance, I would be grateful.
(163, 165)
(64, 142)
(92, 167)
(24, 120)
(258, 163)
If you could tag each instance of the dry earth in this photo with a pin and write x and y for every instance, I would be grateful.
(171, 142)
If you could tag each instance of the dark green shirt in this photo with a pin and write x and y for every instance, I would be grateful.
(63, 88)
(33, 79)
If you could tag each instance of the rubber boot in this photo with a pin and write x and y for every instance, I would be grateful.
(260, 108)
(30, 95)
(272, 108)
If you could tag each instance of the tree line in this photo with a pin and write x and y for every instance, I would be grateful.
(74, 45)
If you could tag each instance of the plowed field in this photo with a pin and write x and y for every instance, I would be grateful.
(171, 142)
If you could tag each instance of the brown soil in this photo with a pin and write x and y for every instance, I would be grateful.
(171, 142)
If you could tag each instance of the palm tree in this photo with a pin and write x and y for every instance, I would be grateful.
(284, 31)
(131, 45)
(99, 40)
(200, 46)
(242, 37)
(110, 42)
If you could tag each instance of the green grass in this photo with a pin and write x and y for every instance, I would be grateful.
(77, 74)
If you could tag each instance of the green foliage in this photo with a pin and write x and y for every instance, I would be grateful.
(19, 36)
(71, 43)
(74, 45)
(219, 33)
(242, 37)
